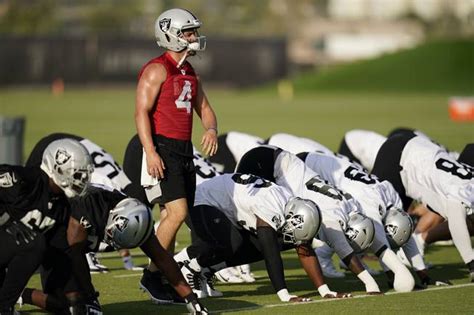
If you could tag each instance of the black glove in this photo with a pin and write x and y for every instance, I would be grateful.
(20, 232)
(194, 306)
(428, 281)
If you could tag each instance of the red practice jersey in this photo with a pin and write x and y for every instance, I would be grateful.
(173, 113)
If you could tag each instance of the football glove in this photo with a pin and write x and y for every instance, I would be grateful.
(19, 231)
(194, 306)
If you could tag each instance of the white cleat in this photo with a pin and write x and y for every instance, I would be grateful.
(209, 287)
(329, 270)
(195, 281)
(228, 275)
(245, 273)
(94, 264)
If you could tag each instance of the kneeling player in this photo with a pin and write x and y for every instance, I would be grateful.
(117, 220)
(343, 226)
(421, 170)
(242, 218)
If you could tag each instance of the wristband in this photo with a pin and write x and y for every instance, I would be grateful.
(323, 290)
(4, 218)
(212, 128)
(284, 295)
(368, 280)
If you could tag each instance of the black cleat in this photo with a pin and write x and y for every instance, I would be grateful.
(152, 284)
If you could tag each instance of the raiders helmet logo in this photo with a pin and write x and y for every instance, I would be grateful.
(7, 180)
(391, 229)
(62, 157)
(85, 223)
(277, 220)
(121, 223)
(165, 24)
(351, 234)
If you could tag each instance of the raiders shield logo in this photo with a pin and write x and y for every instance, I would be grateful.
(62, 156)
(351, 234)
(7, 180)
(165, 24)
(391, 229)
(121, 223)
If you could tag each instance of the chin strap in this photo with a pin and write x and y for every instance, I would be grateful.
(180, 63)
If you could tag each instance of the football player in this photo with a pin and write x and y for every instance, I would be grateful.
(121, 222)
(106, 172)
(422, 170)
(361, 146)
(242, 218)
(232, 146)
(344, 227)
(295, 144)
(379, 201)
(205, 171)
(29, 199)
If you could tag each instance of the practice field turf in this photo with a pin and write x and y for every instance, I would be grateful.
(106, 117)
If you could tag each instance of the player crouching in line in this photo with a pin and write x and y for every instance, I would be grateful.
(241, 219)
(28, 199)
(120, 222)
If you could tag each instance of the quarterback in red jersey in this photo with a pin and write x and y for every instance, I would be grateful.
(167, 93)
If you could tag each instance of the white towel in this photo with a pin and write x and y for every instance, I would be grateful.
(146, 180)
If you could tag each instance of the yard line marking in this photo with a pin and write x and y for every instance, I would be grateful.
(130, 275)
(334, 300)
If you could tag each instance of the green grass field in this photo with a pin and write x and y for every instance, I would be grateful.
(320, 111)
(106, 117)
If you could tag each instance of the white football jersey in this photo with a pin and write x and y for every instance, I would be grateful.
(240, 143)
(204, 169)
(364, 145)
(374, 196)
(291, 172)
(243, 198)
(107, 172)
(433, 177)
(295, 145)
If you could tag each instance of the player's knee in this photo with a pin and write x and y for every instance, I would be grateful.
(404, 281)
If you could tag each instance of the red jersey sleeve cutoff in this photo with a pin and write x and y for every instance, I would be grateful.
(173, 111)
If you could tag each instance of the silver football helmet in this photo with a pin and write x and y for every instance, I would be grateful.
(359, 232)
(398, 227)
(169, 27)
(69, 164)
(129, 224)
(303, 220)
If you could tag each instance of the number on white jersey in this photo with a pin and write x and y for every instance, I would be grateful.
(359, 175)
(184, 99)
(246, 179)
(454, 167)
(321, 186)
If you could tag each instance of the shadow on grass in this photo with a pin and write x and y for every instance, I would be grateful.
(146, 307)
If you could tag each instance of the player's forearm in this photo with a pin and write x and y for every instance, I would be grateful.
(143, 125)
(271, 254)
(208, 118)
(310, 263)
(168, 266)
(414, 255)
(460, 234)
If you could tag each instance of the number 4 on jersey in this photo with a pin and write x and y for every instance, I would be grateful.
(184, 99)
